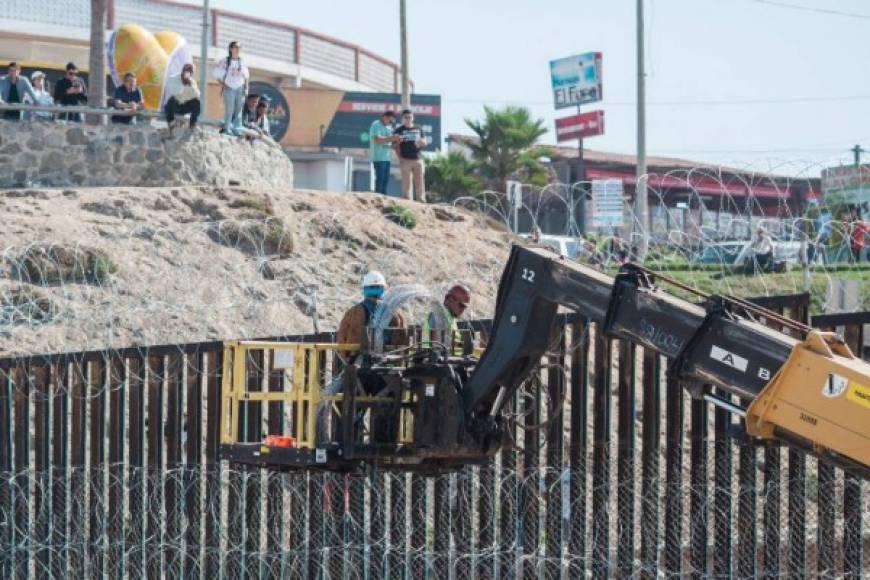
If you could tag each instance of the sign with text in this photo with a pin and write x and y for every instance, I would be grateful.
(580, 126)
(349, 126)
(607, 203)
(848, 182)
(576, 80)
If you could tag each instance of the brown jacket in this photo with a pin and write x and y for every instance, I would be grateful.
(353, 324)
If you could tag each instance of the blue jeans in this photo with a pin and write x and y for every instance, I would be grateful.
(382, 176)
(234, 100)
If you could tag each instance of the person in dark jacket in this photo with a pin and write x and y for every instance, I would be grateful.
(71, 91)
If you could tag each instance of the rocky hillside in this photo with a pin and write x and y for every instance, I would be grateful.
(105, 268)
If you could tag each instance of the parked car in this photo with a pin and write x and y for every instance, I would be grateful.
(738, 253)
(567, 246)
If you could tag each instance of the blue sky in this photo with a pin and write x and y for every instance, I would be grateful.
(744, 82)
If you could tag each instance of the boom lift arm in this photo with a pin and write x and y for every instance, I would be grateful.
(808, 389)
(428, 413)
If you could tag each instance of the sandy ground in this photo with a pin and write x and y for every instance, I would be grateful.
(177, 282)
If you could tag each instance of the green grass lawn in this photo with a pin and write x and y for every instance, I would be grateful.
(748, 286)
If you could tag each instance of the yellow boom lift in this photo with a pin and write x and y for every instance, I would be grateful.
(430, 410)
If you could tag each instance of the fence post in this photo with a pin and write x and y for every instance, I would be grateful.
(699, 518)
(213, 487)
(136, 468)
(78, 470)
(747, 508)
(154, 510)
(650, 479)
(195, 365)
(601, 458)
(6, 538)
(59, 464)
(553, 470)
(626, 492)
(578, 447)
(117, 371)
(98, 505)
(673, 551)
(41, 490)
(722, 517)
(21, 555)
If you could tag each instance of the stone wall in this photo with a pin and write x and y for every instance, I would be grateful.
(54, 154)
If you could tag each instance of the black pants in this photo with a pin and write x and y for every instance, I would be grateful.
(763, 262)
(190, 107)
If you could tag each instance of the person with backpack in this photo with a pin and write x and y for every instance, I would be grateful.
(358, 319)
(233, 75)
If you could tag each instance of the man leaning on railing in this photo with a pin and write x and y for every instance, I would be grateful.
(13, 88)
(127, 97)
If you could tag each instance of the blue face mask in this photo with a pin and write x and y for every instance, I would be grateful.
(373, 291)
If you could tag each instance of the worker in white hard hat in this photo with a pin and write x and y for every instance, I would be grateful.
(356, 321)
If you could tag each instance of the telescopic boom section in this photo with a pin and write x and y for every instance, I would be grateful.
(719, 343)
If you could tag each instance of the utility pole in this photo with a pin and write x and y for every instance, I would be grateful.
(640, 196)
(403, 32)
(203, 57)
(857, 150)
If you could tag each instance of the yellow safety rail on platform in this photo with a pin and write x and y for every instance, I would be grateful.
(301, 388)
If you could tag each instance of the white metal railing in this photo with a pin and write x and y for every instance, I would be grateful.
(277, 41)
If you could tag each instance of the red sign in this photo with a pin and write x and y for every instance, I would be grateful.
(580, 126)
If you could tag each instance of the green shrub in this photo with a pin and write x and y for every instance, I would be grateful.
(258, 238)
(263, 206)
(50, 264)
(400, 215)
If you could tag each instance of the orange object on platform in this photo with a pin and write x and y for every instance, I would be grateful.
(280, 441)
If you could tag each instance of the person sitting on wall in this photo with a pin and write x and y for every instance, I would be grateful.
(262, 121)
(251, 114)
(13, 89)
(762, 251)
(127, 97)
(71, 91)
(183, 97)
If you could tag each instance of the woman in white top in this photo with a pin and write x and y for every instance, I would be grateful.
(183, 97)
(43, 97)
(233, 75)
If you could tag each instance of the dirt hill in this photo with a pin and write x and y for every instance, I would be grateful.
(106, 268)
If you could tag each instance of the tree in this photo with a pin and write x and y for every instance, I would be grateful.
(506, 147)
(452, 176)
(97, 58)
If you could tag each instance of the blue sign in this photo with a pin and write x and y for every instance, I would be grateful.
(576, 80)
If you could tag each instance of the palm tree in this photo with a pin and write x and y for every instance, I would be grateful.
(452, 176)
(97, 58)
(506, 147)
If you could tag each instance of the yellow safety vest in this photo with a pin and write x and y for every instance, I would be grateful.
(456, 337)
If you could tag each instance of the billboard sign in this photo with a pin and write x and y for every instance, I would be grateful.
(278, 112)
(607, 203)
(349, 127)
(576, 80)
(849, 182)
(580, 126)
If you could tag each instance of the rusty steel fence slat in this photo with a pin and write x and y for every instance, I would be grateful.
(109, 467)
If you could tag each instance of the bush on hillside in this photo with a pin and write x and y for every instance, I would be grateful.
(54, 264)
(270, 237)
(400, 215)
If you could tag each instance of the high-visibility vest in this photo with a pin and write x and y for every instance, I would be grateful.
(454, 334)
